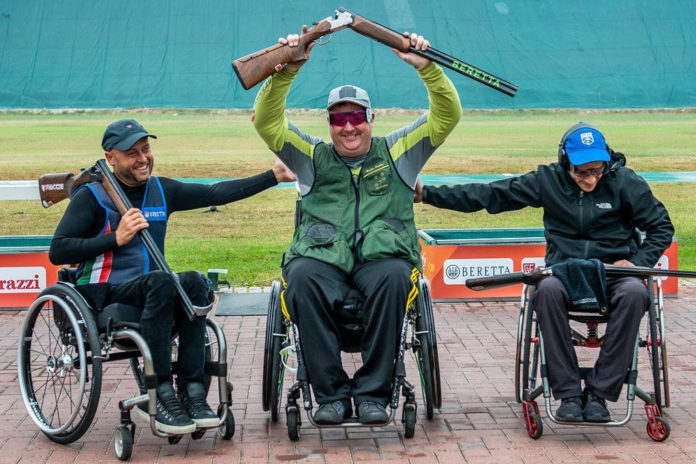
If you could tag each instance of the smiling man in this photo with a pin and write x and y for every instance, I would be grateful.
(116, 268)
(357, 228)
(593, 205)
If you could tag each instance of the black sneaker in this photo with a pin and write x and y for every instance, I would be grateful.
(570, 410)
(595, 408)
(333, 413)
(370, 412)
(193, 400)
(171, 417)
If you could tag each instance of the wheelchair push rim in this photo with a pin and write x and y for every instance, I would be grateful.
(53, 365)
(427, 356)
(273, 367)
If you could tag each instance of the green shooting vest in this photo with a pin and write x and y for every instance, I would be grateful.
(344, 224)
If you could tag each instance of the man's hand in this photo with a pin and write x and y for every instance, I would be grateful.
(293, 40)
(624, 262)
(129, 225)
(282, 172)
(419, 43)
(418, 194)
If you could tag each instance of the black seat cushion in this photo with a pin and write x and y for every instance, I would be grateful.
(121, 315)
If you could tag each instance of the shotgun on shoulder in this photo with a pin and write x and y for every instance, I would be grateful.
(254, 68)
(56, 187)
(531, 278)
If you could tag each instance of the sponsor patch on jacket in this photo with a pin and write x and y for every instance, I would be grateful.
(155, 213)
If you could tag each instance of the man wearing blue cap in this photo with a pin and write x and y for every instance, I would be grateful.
(116, 268)
(593, 205)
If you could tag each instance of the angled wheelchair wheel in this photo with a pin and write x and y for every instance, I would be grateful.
(521, 325)
(59, 376)
(657, 346)
(273, 368)
(527, 366)
(426, 354)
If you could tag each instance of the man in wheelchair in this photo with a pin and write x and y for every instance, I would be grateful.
(593, 205)
(356, 228)
(114, 266)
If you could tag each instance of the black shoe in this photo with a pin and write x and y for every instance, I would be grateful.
(595, 408)
(171, 417)
(333, 413)
(570, 410)
(370, 412)
(193, 401)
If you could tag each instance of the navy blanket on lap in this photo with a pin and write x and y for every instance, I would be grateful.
(585, 282)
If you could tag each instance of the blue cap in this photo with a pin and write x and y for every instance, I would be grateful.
(123, 134)
(586, 145)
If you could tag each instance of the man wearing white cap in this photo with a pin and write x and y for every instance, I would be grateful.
(593, 205)
(356, 230)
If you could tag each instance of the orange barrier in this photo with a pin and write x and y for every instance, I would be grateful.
(450, 256)
(24, 269)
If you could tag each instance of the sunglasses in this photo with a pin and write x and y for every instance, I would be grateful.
(584, 173)
(354, 117)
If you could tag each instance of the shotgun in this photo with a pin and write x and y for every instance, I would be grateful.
(254, 68)
(57, 187)
(531, 278)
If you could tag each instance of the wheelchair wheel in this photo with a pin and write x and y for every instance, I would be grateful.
(226, 430)
(123, 443)
(292, 416)
(657, 349)
(519, 374)
(273, 368)
(426, 356)
(527, 367)
(59, 379)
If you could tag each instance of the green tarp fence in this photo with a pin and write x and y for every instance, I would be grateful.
(177, 53)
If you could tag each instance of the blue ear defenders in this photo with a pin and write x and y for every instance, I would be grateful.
(562, 155)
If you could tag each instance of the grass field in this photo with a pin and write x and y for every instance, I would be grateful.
(249, 237)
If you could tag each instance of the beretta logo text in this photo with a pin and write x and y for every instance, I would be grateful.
(22, 279)
(456, 271)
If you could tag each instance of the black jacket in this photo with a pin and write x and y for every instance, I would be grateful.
(600, 224)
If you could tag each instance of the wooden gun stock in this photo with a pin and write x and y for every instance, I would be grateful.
(380, 33)
(57, 187)
(254, 68)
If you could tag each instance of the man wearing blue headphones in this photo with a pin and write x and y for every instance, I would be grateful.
(593, 205)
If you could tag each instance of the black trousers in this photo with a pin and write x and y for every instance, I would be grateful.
(162, 312)
(628, 300)
(313, 291)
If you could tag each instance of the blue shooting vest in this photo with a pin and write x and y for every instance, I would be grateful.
(131, 260)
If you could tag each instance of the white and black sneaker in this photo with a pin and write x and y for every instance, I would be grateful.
(193, 400)
(171, 417)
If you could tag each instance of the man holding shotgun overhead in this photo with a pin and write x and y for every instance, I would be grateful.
(356, 229)
(593, 205)
(115, 266)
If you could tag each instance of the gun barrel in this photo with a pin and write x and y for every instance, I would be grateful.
(394, 39)
(122, 201)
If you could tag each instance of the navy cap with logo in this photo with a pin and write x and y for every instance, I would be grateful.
(123, 134)
(586, 145)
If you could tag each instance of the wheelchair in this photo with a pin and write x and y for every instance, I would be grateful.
(531, 379)
(282, 349)
(64, 343)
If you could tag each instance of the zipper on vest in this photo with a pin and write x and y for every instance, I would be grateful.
(357, 233)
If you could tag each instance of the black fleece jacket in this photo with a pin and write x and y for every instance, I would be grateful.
(600, 224)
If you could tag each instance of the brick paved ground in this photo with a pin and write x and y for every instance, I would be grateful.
(479, 423)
